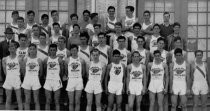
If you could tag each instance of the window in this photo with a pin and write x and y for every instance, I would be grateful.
(198, 27)
(158, 7)
(6, 8)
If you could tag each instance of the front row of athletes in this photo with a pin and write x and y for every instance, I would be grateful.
(132, 79)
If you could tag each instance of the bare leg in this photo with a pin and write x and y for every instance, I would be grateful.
(36, 99)
(110, 101)
(8, 99)
(89, 101)
(119, 102)
(98, 102)
(48, 99)
(77, 100)
(71, 100)
(27, 99)
(138, 103)
(174, 102)
(183, 102)
(204, 101)
(152, 101)
(131, 99)
(160, 101)
(57, 99)
(19, 99)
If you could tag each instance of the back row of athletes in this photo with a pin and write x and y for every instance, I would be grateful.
(115, 79)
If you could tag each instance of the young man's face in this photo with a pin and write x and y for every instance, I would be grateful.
(74, 20)
(157, 56)
(74, 51)
(12, 47)
(76, 29)
(35, 31)
(140, 42)
(30, 17)
(101, 39)
(83, 40)
(56, 28)
(136, 29)
(199, 55)
(111, 12)
(45, 20)
(86, 16)
(178, 56)
(166, 17)
(55, 16)
(20, 23)
(52, 51)
(97, 29)
(42, 39)
(23, 41)
(95, 55)
(32, 50)
(116, 57)
(15, 16)
(61, 42)
(136, 57)
(121, 42)
(128, 11)
(178, 44)
(156, 30)
(147, 16)
(95, 19)
(176, 29)
(161, 44)
(118, 28)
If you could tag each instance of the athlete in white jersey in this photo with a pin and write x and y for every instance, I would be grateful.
(110, 19)
(22, 51)
(56, 33)
(103, 48)
(164, 53)
(125, 54)
(96, 73)
(30, 19)
(42, 48)
(179, 80)
(53, 66)
(12, 69)
(130, 18)
(62, 51)
(147, 25)
(200, 81)
(35, 35)
(33, 71)
(133, 36)
(21, 28)
(116, 85)
(75, 70)
(158, 84)
(136, 81)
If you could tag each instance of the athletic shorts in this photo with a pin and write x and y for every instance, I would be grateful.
(200, 88)
(93, 87)
(135, 88)
(31, 83)
(52, 85)
(156, 86)
(115, 87)
(12, 83)
(179, 87)
(74, 84)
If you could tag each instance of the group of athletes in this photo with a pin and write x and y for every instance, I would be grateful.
(124, 65)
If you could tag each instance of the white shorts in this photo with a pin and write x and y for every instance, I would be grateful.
(74, 84)
(12, 83)
(93, 87)
(31, 83)
(179, 87)
(115, 88)
(135, 88)
(52, 85)
(156, 86)
(200, 88)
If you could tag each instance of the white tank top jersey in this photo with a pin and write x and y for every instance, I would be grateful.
(144, 26)
(53, 69)
(35, 41)
(94, 40)
(90, 27)
(116, 73)
(173, 55)
(41, 51)
(115, 43)
(54, 39)
(143, 54)
(124, 55)
(153, 43)
(61, 53)
(179, 72)
(12, 66)
(103, 54)
(17, 32)
(198, 76)
(136, 74)
(75, 68)
(85, 54)
(22, 53)
(164, 55)
(29, 26)
(157, 71)
(95, 71)
(44, 49)
(129, 21)
(32, 67)
(111, 24)
(70, 30)
(134, 44)
(14, 25)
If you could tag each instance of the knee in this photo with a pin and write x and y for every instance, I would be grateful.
(8, 101)
(89, 103)
(173, 105)
(77, 102)
(118, 105)
(160, 103)
(203, 104)
(152, 102)
(48, 100)
(98, 104)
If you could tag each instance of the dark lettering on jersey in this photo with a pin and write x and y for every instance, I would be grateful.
(12, 65)
(94, 69)
(74, 66)
(117, 70)
(32, 65)
(136, 74)
(179, 71)
(52, 65)
(156, 71)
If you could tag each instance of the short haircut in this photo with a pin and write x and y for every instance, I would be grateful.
(74, 15)
(31, 12)
(118, 24)
(85, 34)
(15, 12)
(21, 35)
(176, 24)
(74, 46)
(43, 34)
(116, 52)
(20, 18)
(156, 25)
(177, 38)
(62, 38)
(166, 13)
(161, 39)
(135, 52)
(53, 11)
(156, 52)
(76, 25)
(32, 45)
(92, 15)
(86, 11)
(95, 25)
(102, 33)
(53, 46)
(110, 7)
(147, 11)
(55, 23)
(121, 37)
(137, 25)
(131, 8)
(94, 50)
(15, 43)
(197, 51)
(141, 37)
(177, 50)
(44, 16)
(35, 25)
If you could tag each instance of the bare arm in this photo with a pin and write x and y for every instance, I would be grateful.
(107, 76)
(124, 78)
(171, 77)
(129, 57)
(144, 78)
(40, 67)
(103, 74)
(4, 61)
(87, 70)
(148, 71)
(61, 63)
(83, 68)
(166, 77)
(188, 79)
(128, 77)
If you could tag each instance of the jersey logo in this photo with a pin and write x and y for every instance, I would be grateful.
(94, 69)
(52, 64)
(74, 66)
(32, 65)
(179, 70)
(11, 65)
(122, 56)
(117, 70)
(136, 73)
(156, 70)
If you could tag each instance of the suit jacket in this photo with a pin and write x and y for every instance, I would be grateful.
(4, 49)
